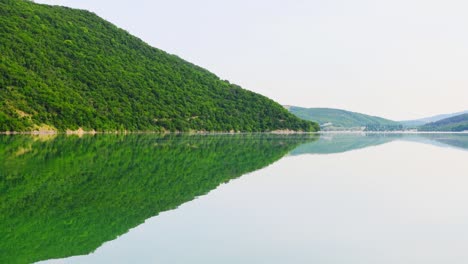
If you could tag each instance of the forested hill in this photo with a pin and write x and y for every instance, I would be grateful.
(455, 124)
(62, 68)
(422, 121)
(337, 119)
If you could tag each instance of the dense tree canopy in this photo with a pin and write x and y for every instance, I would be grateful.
(337, 119)
(62, 68)
(457, 123)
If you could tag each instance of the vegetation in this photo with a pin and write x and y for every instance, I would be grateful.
(62, 68)
(420, 122)
(454, 124)
(65, 196)
(336, 119)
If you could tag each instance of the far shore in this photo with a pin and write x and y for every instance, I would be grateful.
(93, 132)
(392, 132)
(275, 132)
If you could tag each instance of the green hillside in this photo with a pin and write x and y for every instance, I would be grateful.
(336, 119)
(66, 196)
(454, 124)
(62, 68)
(422, 121)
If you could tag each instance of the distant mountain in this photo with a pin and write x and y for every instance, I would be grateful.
(337, 119)
(62, 68)
(454, 124)
(419, 122)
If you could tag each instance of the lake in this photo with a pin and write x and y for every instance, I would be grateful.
(259, 198)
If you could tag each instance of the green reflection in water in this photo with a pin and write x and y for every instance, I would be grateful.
(338, 143)
(65, 196)
(459, 141)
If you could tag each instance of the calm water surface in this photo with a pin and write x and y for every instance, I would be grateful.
(235, 199)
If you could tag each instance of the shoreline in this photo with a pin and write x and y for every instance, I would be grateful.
(393, 132)
(93, 132)
(274, 132)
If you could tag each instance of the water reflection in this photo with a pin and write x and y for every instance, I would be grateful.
(65, 196)
(381, 199)
(459, 141)
(337, 143)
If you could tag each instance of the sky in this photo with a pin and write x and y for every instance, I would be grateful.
(399, 59)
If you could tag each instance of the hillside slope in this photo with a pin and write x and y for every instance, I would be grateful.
(431, 119)
(455, 124)
(62, 68)
(337, 119)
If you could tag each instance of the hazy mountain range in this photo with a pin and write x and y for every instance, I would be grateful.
(423, 121)
(331, 119)
(455, 123)
(337, 119)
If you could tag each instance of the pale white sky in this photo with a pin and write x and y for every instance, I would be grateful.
(399, 59)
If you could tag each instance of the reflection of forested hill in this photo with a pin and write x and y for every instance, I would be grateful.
(459, 141)
(68, 195)
(337, 143)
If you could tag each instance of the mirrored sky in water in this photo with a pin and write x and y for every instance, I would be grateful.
(403, 201)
